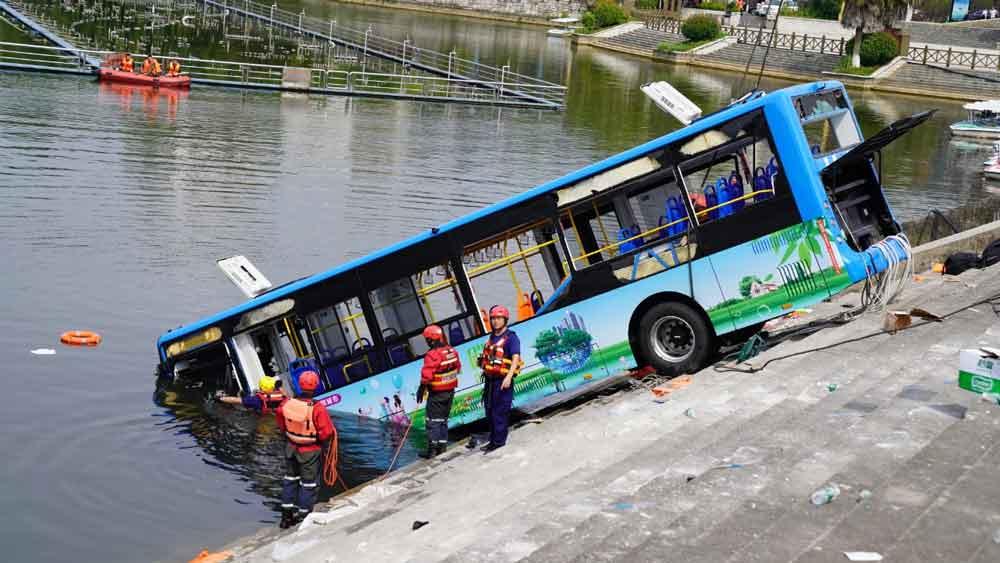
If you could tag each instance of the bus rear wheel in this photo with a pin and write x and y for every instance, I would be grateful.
(674, 338)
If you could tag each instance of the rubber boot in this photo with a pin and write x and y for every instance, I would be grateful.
(287, 518)
(430, 453)
(440, 448)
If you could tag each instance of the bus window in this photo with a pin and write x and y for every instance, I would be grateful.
(519, 269)
(827, 122)
(405, 306)
(343, 341)
(731, 168)
(639, 227)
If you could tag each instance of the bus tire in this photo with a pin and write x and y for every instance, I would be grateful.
(675, 338)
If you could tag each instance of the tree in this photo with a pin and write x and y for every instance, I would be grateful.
(746, 284)
(575, 339)
(547, 343)
(869, 16)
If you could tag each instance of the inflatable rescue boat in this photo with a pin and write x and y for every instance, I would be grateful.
(124, 77)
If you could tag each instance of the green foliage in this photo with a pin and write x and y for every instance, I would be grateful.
(683, 46)
(700, 28)
(574, 339)
(746, 283)
(588, 21)
(647, 4)
(821, 9)
(547, 343)
(877, 49)
(607, 13)
(712, 5)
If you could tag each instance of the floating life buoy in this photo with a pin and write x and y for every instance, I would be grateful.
(80, 338)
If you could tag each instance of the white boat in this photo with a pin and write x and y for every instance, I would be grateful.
(567, 26)
(991, 168)
(983, 122)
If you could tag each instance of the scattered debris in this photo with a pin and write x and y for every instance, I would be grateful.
(918, 278)
(729, 466)
(417, 524)
(689, 413)
(832, 387)
(996, 536)
(926, 315)
(624, 506)
(661, 392)
(825, 495)
(863, 556)
(43, 352)
(895, 321)
(864, 495)
(951, 409)
(689, 478)
(207, 557)
(990, 398)
(937, 268)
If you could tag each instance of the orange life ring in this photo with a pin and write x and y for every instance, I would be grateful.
(80, 338)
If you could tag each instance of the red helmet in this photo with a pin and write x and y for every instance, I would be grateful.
(434, 333)
(308, 381)
(499, 311)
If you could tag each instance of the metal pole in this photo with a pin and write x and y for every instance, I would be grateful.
(301, 15)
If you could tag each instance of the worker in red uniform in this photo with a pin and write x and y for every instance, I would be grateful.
(307, 426)
(438, 380)
(266, 400)
(500, 362)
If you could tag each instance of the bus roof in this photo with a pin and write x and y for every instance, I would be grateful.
(706, 122)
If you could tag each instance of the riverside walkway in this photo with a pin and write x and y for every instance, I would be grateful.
(724, 469)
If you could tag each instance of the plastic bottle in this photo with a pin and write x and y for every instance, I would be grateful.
(825, 495)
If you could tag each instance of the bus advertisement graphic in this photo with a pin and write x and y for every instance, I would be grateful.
(959, 10)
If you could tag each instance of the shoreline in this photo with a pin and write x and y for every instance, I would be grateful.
(451, 11)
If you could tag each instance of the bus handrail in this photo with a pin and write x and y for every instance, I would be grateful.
(508, 259)
(741, 198)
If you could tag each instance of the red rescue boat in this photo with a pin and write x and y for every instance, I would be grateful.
(112, 75)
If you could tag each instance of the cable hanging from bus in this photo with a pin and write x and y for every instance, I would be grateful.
(648, 258)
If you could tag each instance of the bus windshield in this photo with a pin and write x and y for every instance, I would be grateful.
(827, 121)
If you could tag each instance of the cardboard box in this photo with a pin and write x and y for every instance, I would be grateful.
(979, 371)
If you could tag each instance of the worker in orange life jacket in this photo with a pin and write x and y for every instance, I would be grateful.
(128, 64)
(500, 362)
(173, 68)
(151, 66)
(266, 400)
(306, 426)
(438, 380)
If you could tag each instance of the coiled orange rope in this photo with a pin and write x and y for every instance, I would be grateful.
(330, 473)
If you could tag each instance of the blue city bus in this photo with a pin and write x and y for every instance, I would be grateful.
(651, 258)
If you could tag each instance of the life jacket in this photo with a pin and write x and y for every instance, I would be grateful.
(446, 374)
(157, 69)
(128, 64)
(492, 360)
(147, 66)
(299, 427)
(173, 68)
(269, 401)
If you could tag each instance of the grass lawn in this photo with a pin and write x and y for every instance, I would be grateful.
(683, 46)
(846, 68)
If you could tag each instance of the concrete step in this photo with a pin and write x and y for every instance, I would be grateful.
(788, 443)
(576, 534)
(703, 534)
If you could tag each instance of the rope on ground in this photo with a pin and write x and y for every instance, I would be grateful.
(399, 448)
(993, 301)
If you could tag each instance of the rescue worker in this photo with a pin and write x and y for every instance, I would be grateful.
(500, 362)
(438, 380)
(266, 400)
(173, 68)
(151, 66)
(307, 426)
(128, 64)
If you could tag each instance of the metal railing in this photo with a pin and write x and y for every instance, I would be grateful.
(949, 57)
(368, 43)
(320, 80)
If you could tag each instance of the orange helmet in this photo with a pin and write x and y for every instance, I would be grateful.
(499, 311)
(308, 381)
(434, 333)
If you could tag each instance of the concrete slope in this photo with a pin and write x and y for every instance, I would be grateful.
(723, 470)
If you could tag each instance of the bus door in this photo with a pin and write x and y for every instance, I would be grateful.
(272, 349)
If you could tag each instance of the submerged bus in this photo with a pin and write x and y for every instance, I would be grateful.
(647, 258)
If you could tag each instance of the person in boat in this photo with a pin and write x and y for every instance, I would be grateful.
(500, 362)
(438, 380)
(266, 400)
(307, 426)
(173, 68)
(128, 63)
(151, 66)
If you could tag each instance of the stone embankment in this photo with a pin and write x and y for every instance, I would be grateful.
(724, 469)
(904, 77)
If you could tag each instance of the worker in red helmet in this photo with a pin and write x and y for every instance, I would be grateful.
(438, 380)
(307, 426)
(500, 362)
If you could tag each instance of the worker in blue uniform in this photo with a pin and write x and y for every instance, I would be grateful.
(500, 362)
